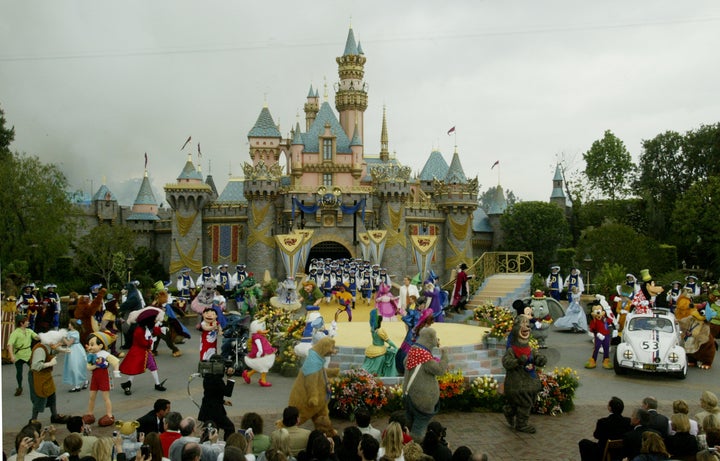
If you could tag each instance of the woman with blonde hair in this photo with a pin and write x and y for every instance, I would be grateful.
(392, 443)
(653, 448)
(709, 423)
(709, 404)
(681, 443)
(280, 441)
(681, 406)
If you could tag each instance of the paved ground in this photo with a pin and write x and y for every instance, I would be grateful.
(556, 438)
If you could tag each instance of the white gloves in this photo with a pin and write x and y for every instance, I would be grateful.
(538, 325)
(51, 363)
(116, 373)
(600, 336)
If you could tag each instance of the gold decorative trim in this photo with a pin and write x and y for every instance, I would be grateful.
(186, 259)
(184, 223)
(459, 231)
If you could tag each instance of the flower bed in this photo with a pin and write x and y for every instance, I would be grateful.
(497, 318)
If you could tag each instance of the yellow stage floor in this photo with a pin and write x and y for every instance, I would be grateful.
(357, 332)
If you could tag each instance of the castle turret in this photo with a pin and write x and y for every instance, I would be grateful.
(187, 197)
(264, 139)
(558, 192)
(105, 205)
(312, 106)
(145, 206)
(384, 152)
(351, 98)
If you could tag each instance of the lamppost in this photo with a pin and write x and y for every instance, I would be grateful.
(128, 262)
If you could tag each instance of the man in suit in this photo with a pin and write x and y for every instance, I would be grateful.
(153, 421)
(632, 440)
(611, 427)
(657, 421)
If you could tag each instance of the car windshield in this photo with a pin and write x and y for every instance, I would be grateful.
(651, 323)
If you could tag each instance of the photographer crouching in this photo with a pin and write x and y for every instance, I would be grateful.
(215, 388)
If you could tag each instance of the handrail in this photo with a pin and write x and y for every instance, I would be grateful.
(499, 262)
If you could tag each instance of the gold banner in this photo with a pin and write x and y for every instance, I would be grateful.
(184, 223)
(186, 259)
(260, 234)
(459, 256)
(364, 238)
(459, 231)
(377, 236)
(306, 233)
(424, 243)
(396, 237)
(290, 243)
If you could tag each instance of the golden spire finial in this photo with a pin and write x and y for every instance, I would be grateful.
(325, 89)
(265, 100)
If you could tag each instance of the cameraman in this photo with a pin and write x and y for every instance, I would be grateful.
(215, 389)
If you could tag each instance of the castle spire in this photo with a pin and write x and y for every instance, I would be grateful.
(351, 91)
(384, 153)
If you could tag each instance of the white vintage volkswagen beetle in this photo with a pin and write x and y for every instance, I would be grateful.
(651, 342)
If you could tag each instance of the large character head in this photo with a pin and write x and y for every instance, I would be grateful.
(258, 326)
(597, 312)
(98, 341)
(539, 307)
(325, 347)
(428, 338)
(521, 330)
(209, 315)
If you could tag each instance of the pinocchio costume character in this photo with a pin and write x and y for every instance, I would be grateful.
(99, 359)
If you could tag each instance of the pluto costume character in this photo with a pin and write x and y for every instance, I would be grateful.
(420, 386)
(311, 392)
(521, 381)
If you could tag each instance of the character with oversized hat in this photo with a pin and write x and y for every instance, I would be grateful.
(99, 359)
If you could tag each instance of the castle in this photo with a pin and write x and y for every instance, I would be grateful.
(321, 182)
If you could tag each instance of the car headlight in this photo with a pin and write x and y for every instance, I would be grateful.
(628, 354)
(673, 357)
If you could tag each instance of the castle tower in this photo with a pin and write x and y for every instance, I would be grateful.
(384, 152)
(187, 197)
(105, 205)
(457, 199)
(392, 189)
(264, 139)
(351, 98)
(312, 106)
(558, 193)
(497, 207)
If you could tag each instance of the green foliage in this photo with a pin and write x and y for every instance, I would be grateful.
(609, 167)
(147, 262)
(606, 280)
(537, 282)
(34, 224)
(620, 244)
(7, 135)
(631, 212)
(487, 198)
(565, 259)
(695, 223)
(535, 226)
(103, 253)
(666, 258)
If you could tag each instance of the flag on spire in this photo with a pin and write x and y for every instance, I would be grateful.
(451, 130)
(199, 153)
(146, 160)
(497, 162)
(186, 142)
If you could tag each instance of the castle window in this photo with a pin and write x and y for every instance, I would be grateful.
(327, 149)
(327, 179)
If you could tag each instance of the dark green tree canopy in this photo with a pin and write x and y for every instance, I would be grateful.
(7, 135)
(609, 167)
(538, 227)
(103, 252)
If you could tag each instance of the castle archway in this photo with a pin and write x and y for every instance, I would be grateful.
(327, 249)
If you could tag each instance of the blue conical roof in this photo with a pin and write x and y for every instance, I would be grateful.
(350, 45)
(455, 174)
(145, 195)
(104, 194)
(359, 49)
(326, 115)
(311, 93)
(297, 137)
(233, 192)
(498, 204)
(265, 126)
(435, 167)
(356, 139)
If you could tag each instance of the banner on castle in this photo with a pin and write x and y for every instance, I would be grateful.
(306, 245)
(423, 250)
(225, 243)
(290, 246)
(377, 245)
(364, 240)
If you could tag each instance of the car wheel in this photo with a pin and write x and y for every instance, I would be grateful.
(619, 370)
(682, 374)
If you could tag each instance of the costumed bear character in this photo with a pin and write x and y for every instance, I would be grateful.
(540, 320)
(85, 311)
(644, 299)
(683, 305)
(420, 386)
(386, 303)
(600, 332)
(128, 433)
(310, 390)
(261, 356)
(379, 359)
(698, 341)
(211, 332)
(521, 380)
(205, 296)
(98, 360)
(139, 357)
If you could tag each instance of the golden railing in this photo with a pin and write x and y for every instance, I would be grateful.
(497, 262)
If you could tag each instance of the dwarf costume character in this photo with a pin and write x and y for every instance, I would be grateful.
(600, 332)
(140, 358)
(261, 356)
(40, 379)
(98, 361)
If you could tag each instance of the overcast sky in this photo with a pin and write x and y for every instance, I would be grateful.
(94, 85)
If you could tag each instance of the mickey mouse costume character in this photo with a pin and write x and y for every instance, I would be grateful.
(600, 332)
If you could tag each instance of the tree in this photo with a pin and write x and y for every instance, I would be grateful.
(695, 221)
(609, 167)
(614, 243)
(702, 152)
(486, 198)
(34, 224)
(6, 138)
(535, 226)
(103, 252)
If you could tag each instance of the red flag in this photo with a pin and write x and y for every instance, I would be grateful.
(497, 162)
(146, 160)
(199, 153)
(451, 130)
(186, 142)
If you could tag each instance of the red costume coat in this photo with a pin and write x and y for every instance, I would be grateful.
(135, 362)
